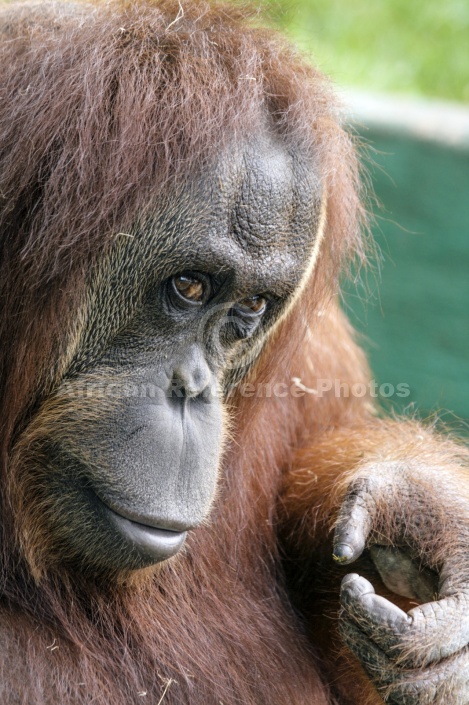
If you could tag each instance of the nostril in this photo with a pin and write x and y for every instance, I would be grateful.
(180, 389)
(191, 377)
(177, 389)
(191, 391)
(183, 387)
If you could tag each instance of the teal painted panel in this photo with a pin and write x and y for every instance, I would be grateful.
(416, 321)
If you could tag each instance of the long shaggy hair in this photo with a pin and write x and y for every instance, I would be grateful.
(104, 109)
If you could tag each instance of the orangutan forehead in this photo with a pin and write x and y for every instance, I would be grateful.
(254, 216)
(271, 192)
(271, 198)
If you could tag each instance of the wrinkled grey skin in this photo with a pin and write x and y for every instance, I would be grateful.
(139, 454)
(422, 657)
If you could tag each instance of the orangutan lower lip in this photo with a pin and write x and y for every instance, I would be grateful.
(157, 543)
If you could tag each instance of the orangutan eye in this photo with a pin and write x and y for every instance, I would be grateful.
(253, 305)
(190, 288)
(246, 316)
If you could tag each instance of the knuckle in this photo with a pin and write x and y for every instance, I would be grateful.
(362, 496)
(360, 487)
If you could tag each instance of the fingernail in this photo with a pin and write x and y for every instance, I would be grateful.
(342, 553)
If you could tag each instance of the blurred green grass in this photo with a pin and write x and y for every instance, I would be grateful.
(418, 47)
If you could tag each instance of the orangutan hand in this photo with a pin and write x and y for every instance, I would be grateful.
(415, 521)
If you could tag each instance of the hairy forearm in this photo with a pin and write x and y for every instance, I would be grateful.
(314, 486)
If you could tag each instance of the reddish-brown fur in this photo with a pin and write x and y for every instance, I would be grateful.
(217, 624)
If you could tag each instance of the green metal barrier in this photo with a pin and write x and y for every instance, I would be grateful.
(416, 320)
